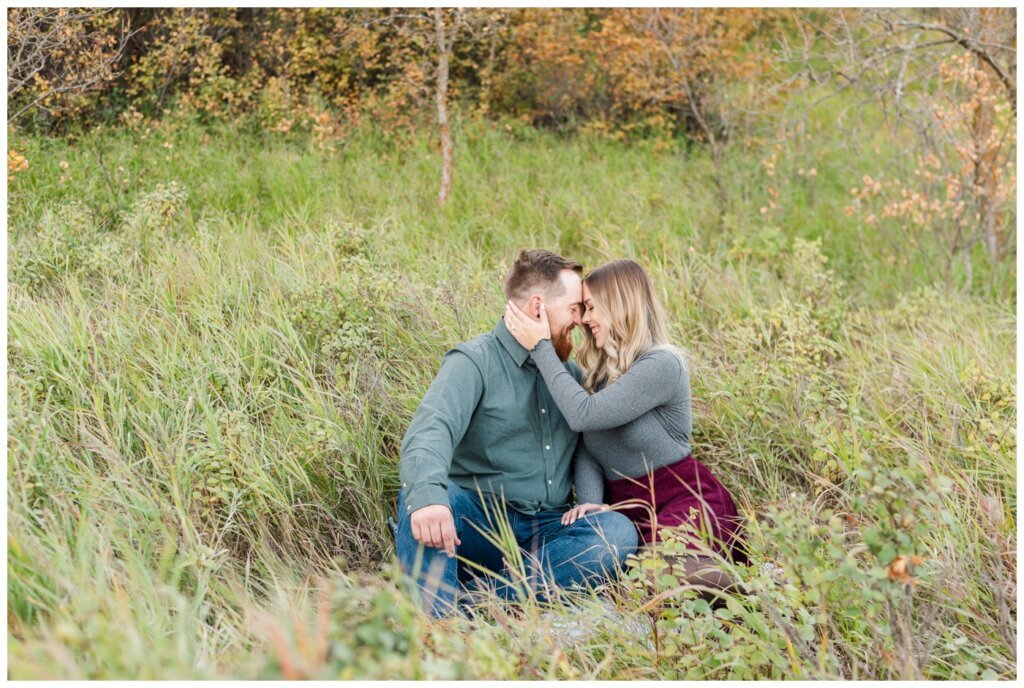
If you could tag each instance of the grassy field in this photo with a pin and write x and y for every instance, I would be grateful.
(217, 339)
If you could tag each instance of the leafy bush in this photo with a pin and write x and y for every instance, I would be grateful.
(68, 243)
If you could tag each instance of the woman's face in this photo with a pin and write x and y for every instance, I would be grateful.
(594, 319)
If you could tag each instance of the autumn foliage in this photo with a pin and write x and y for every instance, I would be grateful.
(614, 69)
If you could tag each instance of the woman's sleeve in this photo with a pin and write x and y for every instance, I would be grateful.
(588, 477)
(650, 382)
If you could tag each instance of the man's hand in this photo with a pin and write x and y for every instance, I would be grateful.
(434, 526)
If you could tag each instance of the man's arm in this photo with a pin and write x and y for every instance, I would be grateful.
(437, 427)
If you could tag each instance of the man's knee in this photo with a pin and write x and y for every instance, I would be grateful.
(617, 532)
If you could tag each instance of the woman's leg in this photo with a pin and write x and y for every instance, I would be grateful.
(704, 571)
(689, 497)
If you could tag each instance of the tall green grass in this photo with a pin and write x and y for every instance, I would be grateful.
(217, 339)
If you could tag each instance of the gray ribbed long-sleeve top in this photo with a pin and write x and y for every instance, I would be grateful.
(640, 422)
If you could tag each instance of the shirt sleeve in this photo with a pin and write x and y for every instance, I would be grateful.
(651, 381)
(436, 429)
(588, 477)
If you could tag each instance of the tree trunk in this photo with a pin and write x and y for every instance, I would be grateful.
(986, 177)
(441, 90)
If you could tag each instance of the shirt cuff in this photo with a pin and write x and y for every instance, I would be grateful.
(420, 496)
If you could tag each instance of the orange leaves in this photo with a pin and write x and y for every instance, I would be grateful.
(899, 569)
(623, 69)
(16, 162)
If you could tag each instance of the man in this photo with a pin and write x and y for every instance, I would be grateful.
(487, 445)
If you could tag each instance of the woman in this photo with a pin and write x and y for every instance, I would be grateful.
(634, 412)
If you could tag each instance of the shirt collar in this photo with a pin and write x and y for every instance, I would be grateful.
(516, 350)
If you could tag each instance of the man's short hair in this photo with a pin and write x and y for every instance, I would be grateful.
(537, 269)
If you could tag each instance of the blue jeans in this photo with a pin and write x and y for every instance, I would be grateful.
(546, 553)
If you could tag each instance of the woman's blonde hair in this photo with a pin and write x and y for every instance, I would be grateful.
(635, 322)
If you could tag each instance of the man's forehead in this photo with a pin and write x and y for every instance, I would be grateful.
(573, 284)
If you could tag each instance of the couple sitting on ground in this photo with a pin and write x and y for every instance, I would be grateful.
(493, 447)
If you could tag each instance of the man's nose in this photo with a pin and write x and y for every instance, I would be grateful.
(576, 320)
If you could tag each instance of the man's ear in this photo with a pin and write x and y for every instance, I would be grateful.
(533, 306)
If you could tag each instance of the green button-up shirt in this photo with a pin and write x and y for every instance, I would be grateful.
(488, 422)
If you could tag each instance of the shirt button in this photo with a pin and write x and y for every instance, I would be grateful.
(549, 482)
(543, 410)
(548, 447)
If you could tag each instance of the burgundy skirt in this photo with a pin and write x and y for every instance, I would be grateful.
(686, 494)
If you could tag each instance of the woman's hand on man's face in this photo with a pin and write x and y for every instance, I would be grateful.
(525, 329)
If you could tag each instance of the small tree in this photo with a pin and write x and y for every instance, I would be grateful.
(430, 37)
(444, 35)
(945, 83)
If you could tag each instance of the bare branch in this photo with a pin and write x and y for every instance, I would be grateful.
(58, 52)
(975, 47)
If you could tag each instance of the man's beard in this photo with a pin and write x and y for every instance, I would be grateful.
(563, 344)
